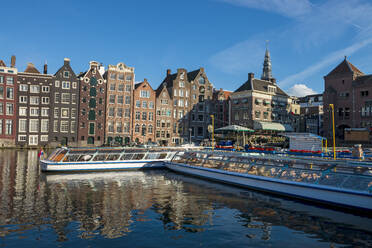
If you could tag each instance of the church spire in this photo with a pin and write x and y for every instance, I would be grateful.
(266, 72)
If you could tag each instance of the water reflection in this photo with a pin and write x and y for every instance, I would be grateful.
(128, 205)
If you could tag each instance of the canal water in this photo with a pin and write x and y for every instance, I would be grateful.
(157, 209)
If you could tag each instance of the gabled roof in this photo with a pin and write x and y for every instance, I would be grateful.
(192, 75)
(345, 67)
(31, 68)
(2, 63)
(160, 89)
(141, 83)
(169, 79)
(260, 85)
(363, 80)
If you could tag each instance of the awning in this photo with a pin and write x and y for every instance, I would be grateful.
(258, 100)
(274, 126)
(266, 102)
(234, 128)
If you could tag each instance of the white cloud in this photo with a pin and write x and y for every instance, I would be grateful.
(290, 8)
(300, 90)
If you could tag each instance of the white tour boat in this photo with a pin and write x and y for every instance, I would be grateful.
(106, 158)
(339, 183)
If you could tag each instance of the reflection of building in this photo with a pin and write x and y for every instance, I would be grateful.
(311, 118)
(261, 105)
(34, 106)
(91, 130)
(350, 91)
(64, 106)
(144, 98)
(8, 102)
(120, 82)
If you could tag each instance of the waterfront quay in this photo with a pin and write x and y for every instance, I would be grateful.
(156, 208)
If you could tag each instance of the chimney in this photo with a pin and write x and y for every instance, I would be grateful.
(273, 80)
(12, 61)
(168, 72)
(66, 61)
(145, 80)
(45, 68)
(202, 69)
(250, 76)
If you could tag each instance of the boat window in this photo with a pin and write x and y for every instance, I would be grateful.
(358, 183)
(112, 157)
(99, 157)
(82, 151)
(126, 156)
(163, 155)
(138, 156)
(59, 156)
(176, 158)
(152, 155)
(84, 157)
(71, 158)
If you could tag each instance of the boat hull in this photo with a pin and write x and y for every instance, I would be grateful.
(48, 166)
(318, 193)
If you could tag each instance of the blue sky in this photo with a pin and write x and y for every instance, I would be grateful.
(226, 37)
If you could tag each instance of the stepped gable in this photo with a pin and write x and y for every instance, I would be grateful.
(345, 67)
(2, 63)
(31, 68)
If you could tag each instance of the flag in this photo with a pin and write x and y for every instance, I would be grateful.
(41, 153)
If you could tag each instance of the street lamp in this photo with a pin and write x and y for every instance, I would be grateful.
(333, 127)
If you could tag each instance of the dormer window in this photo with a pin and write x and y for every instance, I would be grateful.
(271, 89)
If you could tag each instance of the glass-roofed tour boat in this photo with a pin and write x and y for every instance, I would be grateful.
(337, 182)
(106, 158)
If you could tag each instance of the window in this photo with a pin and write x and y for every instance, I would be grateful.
(138, 104)
(120, 99)
(151, 105)
(157, 123)
(65, 85)
(150, 129)
(22, 137)
(119, 127)
(128, 87)
(143, 130)
(44, 125)
(201, 80)
(364, 93)
(64, 113)
(22, 125)
(144, 116)
(127, 99)
(112, 86)
(181, 93)
(1, 126)
(136, 129)
(182, 84)
(23, 87)
(119, 112)
(138, 115)
(164, 101)
(45, 89)
(92, 103)
(34, 89)
(45, 100)
(65, 98)
(121, 76)
(73, 98)
(66, 74)
(151, 116)
(257, 114)
(64, 126)
(34, 111)
(9, 93)
(193, 96)
(121, 87)
(57, 84)
(126, 127)
(1, 79)
(1, 92)
(110, 126)
(92, 115)
(145, 93)
(180, 103)
(34, 126)
(127, 112)
(8, 127)
(175, 102)
(175, 92)
(73, 126)
(128, 77)
(93, 91)
(74, 85)
(34, 100)
(56, 112)
(44, 111)
(22, 111)
(9, 109)
(44, 138)
(56, 97)
(9, 80)
(144, 104)
(111, 112)
(73, 113)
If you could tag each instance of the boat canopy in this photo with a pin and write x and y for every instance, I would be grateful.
(272, 126)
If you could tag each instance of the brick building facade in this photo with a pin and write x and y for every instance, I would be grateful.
(143, 109)
(311, 114)
(33, 107)
(92, 107)
(222, 108)
(350, 91)
(120, 83)
(8, 103)
(164, 116)
(64, 106)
